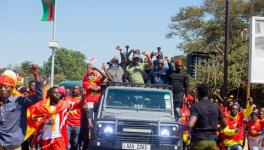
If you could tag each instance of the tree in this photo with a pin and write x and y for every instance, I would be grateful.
(25, 68)
(69, 65)
(201, 29)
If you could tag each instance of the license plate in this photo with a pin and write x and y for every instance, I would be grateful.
(135, 146)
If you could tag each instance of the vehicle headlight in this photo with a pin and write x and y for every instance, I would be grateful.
(164, 132)
(175, 128)
(108, 130)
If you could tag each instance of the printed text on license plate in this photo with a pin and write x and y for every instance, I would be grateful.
(135, 146)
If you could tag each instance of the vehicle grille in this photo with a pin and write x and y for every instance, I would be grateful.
(138, 137)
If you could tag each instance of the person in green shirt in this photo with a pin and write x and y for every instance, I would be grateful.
(136, 70)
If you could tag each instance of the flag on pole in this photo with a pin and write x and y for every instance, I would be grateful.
(49, 10)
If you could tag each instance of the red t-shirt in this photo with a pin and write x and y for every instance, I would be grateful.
(262, 122)
(74, 117)
(95, 82)
(185, 115)
(254, 127)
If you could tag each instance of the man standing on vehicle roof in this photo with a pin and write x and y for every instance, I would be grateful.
(136, 70)
(179, 82)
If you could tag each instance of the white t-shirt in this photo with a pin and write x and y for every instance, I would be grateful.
(47, 132)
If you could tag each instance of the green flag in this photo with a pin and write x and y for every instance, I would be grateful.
(49, 10)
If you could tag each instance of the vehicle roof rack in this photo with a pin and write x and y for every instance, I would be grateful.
(125, 84)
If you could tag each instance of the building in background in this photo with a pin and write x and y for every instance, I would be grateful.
(193, 59)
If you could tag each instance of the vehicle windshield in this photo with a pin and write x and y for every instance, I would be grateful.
(138, 99)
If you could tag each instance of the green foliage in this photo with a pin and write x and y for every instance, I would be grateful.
(24, 66)
(69, 65)
(202, 29)
(59, 77)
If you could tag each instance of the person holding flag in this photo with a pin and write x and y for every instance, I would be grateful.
(48, 120)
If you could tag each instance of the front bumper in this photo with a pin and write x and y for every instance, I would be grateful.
(137, 132)
(118, 146)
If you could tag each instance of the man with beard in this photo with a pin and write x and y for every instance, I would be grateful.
(49, 118)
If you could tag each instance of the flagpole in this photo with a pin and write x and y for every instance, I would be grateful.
(54, 47)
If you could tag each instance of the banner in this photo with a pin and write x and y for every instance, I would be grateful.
(256, 50)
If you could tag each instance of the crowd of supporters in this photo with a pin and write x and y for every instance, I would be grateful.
(38, 117)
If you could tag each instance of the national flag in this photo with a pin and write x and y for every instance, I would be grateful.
(40, 112)
(49, 10)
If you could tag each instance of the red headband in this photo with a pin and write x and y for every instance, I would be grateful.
(7, 81)
(178, 62)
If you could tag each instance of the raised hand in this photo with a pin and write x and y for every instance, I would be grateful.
(166, 58)
(83, 93)
(250, 101)
(103, 66)
(33, 69)
(119, 48)
(145, 53)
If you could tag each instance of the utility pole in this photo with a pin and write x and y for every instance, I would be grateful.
(227, 31)
(53, 45)
(252, 3)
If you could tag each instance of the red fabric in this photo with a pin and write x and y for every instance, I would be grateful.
(56, 144)
(190, 99)
(64, 133)
(254, 127)
(7, 81)
(262, 123)
(51, 13)
(92, 96)
(62, 90)
(235, 123)
(31, 93)
(74, 117)
(185, 115)
(41, 114)
(178, 62)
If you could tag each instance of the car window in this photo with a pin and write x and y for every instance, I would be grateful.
(138, 99)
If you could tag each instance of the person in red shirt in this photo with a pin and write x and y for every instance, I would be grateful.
(91, 83)
(255, 127)
(184, 118)
(234, 132)
(74, 119)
